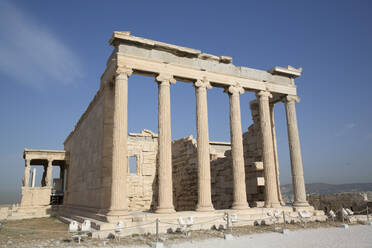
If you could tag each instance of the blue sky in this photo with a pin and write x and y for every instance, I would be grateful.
(52, 54)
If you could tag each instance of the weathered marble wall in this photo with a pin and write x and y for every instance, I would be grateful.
(184, 161)
(35, 197)
(185, 173)
(85, 166)
(84, 146)
(142, 186)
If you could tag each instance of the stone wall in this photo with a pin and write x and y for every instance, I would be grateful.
(185, 173)
(185, 170)
(142, 186)
(35, 197)
(84, 149)
(356, 201)
(86, 165)
(254, 171)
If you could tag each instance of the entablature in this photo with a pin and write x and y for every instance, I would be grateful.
(148, 57)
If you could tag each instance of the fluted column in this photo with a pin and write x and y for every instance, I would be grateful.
(298, 181)
(276, 159)
(204, 167)
(240, 195)
(165, 194)
(49, 174)
(271, 192)
(119, 199)
(26, 177)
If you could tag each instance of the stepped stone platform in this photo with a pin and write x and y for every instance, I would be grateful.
(145, 222)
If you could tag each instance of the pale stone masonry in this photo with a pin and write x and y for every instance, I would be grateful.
(198, 175)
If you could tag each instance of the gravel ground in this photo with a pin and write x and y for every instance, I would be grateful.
(356, 236)
(50, 232)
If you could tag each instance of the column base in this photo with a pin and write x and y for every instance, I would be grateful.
(272, 205)
(240, 206)
(113, 215)
(301, 204)
(162, 210)
(208, 208)
(308, 208)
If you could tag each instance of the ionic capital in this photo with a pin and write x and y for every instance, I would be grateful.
(165, 79)
(203, 83)
(123, 71)
(291, 98)
(235, 89)
(264, 93)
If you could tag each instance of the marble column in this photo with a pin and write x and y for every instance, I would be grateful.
(165, 193)
(276, 159)
(118, 205)
(298, 181)
(26, 176)
(240, 195)
(33, 178)
(204, 166)
(271, 191)
(49, 174)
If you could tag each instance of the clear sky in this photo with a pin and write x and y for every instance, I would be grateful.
(52, 54)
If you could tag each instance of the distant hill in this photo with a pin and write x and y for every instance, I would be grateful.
(324, 188)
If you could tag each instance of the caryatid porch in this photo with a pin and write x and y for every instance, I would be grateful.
(168, 64)
(41, 196)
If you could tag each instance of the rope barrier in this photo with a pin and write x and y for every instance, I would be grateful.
(222, 219)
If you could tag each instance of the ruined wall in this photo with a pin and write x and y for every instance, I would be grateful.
(185, 170)
(84, 146)
(356, 201)
(142, 186)
(253, 161)
(185, 174)
(89, 175)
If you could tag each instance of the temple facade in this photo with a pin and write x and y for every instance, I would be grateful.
(108, 174)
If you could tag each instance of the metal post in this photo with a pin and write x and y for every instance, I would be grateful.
(228, 222)
(342, 216)
(157, 230)
(228, 234)
(284, 222)
(368, 222)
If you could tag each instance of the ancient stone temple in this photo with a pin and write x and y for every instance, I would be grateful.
(194, 175)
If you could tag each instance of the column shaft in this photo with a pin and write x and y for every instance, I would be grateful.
(33, 178)
(118, 200)
(49, 174)
(298, 181)
(271, 191)
(276, 158)
(26, 177)
(204, 168)
(165, 193)
(240, 195)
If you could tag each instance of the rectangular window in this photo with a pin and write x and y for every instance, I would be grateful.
(132, 164)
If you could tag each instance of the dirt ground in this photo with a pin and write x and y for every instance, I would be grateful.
(50, 232)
